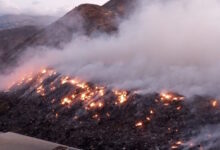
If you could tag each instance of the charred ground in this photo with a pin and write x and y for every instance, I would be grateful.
(71, 112)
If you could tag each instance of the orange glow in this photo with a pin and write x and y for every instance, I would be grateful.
(100, 104)
(148, 118)
(57, 115)
(83, 96)
(44, 71)
(96, 116)
(214, 103)
(66, 101)
(73, 96)
(170, 97)
(101, 92)
(41, 90)
(151, 112)
(122, 96)
(174, 147)
(178, 108)
(139, 124)
(82, 85)
(92, 105)
(179, 143)
(64, 80)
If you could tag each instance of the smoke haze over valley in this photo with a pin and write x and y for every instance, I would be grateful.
(169, 45)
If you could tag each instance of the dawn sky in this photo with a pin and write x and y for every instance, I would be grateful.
(42, 7)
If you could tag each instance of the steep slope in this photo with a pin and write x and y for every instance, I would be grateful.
(86, 19)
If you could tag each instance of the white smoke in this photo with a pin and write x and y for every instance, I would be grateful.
(165, 45)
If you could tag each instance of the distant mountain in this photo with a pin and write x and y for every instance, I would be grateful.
(87, 19)
(15, 21)
(10, 38)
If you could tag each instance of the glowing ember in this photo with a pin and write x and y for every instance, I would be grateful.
(151, 112)
(73, 96)
(174, 147)
(148, 118)
(96, 116)
(73, 82)
(66, 101)
(214, 103)
(178, 108)
(170, 97)
(82, 85)
(139, 124)
(101, 92)
(100, 104)
(83, 96)
(44, 71)
(122, 96)
(92, 105)
(57, 115)
(179, 143)
(107, 114)
(64, 80)
(41, 90)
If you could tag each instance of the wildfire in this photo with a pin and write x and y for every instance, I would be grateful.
(122, 96)
(170, 97)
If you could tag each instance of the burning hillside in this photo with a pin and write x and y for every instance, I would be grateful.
(86, 115)
(153, 84)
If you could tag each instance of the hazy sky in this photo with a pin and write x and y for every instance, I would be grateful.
(42, 7)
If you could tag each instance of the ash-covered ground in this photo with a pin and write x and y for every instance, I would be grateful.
(85, 115)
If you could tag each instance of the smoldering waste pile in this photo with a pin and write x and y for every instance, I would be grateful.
(86, 115)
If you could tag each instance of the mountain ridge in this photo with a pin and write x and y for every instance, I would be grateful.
(85, 19)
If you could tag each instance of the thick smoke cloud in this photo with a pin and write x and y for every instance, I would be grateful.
(165, 45)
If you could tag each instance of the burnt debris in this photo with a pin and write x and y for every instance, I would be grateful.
(89, 116)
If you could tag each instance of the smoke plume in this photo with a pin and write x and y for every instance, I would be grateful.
(164, 45)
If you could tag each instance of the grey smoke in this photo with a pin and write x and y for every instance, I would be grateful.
(171, 45)
(207, 139)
